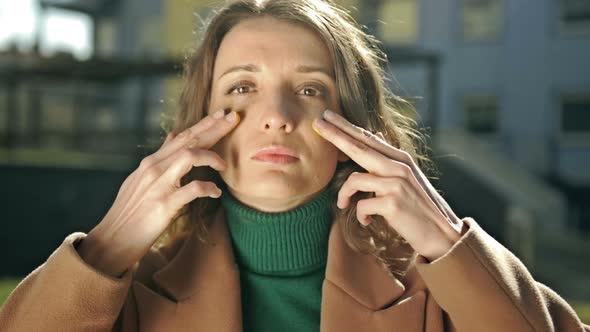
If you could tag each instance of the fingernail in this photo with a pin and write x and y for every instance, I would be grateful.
(326, 114)
(231, 117)
(316, 130)
(218, 115)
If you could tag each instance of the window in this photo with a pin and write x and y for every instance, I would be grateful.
(399, 21)
(106, 37)
(17, 24)
(67, 31)
(575, 15)
(575, 114)
(150, 36)
(481, 114)
(481, 20)
(57, 113)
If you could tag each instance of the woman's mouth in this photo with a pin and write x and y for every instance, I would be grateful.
(276, 155)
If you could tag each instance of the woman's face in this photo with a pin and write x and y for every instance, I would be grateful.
(278, 76)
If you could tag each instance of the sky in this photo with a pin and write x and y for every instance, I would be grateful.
(60, 30)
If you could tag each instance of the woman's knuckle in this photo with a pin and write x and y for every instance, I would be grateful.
(192, 142)
(146, 162)
(196, 188)
(151, 174)
(183, 135)
(202, 154)
(160, 206)
(397, 188)
(366, 134)
(407, 158)
(355, 176)
(406, 170)
(187, 154)
(358, 147)
(392, 203)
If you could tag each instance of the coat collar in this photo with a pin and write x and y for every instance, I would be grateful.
(359, 275)
(197, 266)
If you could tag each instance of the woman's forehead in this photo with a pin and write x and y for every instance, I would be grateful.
(266, 43)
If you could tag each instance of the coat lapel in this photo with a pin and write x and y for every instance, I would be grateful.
(360, 295)
(203, 283)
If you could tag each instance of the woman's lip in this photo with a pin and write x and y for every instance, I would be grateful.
(276, 150)
(275, 158)
(276, 154)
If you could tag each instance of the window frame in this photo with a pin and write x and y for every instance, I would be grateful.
(474, 98)
(459, 26)
(563, 29)
(417, 38)
(571, 138)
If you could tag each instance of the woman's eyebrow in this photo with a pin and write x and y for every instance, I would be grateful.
(315, 69)
(248, 67)
(300, 69)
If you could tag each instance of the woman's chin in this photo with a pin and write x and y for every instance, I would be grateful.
(273, 196)
(276, 189)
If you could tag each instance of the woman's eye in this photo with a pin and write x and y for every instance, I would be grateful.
(240, 88)
(310, 91)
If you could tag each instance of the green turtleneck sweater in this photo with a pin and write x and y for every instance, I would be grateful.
(282, 260)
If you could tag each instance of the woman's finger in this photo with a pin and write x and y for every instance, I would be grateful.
(367, 157)
(169, 137)
(203, 134)
(365, 208)
(181, 163)
(191, 191)
(379, 144)
(365, 136)
(367, 182)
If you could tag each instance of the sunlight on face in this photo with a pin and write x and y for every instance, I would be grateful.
(279, 76)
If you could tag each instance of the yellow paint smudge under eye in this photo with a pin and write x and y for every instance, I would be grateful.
(317, 131)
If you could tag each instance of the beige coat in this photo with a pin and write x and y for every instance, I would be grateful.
(190, 286)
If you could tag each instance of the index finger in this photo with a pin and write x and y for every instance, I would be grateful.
(203, 124)
(364, 155)
(366, 137)
(206, 132)
(206, 138)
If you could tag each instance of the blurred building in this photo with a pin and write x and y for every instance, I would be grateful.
(512, 127)
(515, 82)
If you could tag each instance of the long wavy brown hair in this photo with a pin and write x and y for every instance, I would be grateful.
(365, 101)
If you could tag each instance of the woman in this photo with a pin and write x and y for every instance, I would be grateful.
(320, 223)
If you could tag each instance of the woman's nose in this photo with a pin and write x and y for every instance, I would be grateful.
(277, 113)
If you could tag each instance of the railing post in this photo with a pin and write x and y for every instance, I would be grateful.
(520, 234)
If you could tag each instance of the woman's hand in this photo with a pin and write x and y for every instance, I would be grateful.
(403, 194)
(151, 196)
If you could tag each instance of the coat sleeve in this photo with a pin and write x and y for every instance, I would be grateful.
(482, 286)
(67, 294)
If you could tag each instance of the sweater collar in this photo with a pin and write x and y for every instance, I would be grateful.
(293, 242)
